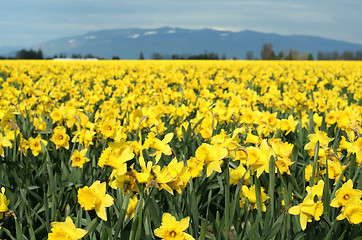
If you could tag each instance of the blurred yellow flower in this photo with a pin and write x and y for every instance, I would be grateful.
(160, 146)
(132, 205)
(352, 210)
(309, 209)
(60, 138)
(288, 125)
(65, 230)
(78, 158)
(237, 173)
(250, 194)
(35, 145)
(58, 115)
(212, 156)
(259, 157)
(344, 194)
(4, 203)
(323, 140)
(195, 167)
(7, 117)
(109, 128)
(171, 229)
(4, 142)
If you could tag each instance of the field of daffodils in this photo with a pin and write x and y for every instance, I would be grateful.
(180, 150)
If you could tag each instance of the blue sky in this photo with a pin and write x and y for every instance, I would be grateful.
(29, 22)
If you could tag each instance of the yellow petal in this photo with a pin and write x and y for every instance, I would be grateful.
(304, 218)
(294, 210)
(341, 216)
(107, 201)
(168, 138)
(168, 220)
(184, 224)
(79, 233)
(356, 217)
(211, 167)
(101, 212)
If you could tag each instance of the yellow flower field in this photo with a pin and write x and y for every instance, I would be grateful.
(180, 149)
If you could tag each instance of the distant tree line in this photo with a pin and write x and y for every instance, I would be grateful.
(267, 53)
(33, 54)
(76, 56)
(346, 55)
(203, 56)
(29, 54)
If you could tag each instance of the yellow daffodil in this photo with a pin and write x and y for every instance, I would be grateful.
(288, 125)
(237, 173)
(109, 128)
(212, 156)
(251, 138)
(163, 178)
(344, 193)
(180, 175)
(160, 146)
(84, 137)
(126, 180)
(58, 115)
(259, 157)
(35, 145)
(78, 158)
(145, 176)
(317, 189)
(352, 210)
(8, 118)
(60, 138)
(250, 194)
(4, 203)
(132, 205)
(65, 230)
(171, 229)
(335, 169)
(23, 146)
(4, 142)
(331, 118)
(195, 167)
(323, 143)
(39, 124)
(116, 157)
(309, 209)
(95, 198)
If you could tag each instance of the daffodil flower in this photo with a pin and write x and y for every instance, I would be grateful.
(95, 198)
(309, 209)
(66, 230)
(344, 193)
(60, 138)
(161, 147)
(171, 229)
(352, 210)
(4, 203)
(212, 156)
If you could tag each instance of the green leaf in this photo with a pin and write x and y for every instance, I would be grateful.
(275, 229)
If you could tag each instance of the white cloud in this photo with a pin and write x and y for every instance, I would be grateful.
(134, 36)
(150, 33)
(170, 31)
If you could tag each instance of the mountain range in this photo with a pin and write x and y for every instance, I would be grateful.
(130, 43)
